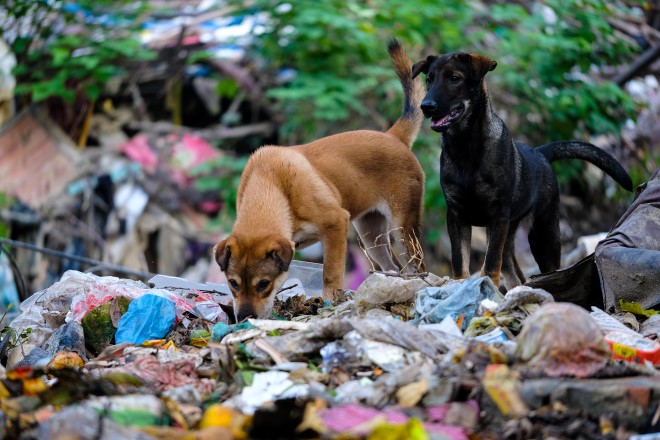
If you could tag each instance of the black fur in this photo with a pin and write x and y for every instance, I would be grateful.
(489, 180)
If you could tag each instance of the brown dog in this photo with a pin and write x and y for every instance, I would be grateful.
(292, 197)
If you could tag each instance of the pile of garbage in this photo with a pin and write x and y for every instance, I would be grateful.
(415, 358)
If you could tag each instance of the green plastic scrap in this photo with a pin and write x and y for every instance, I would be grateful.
(413, 429)
(636, 309)
(220, 329)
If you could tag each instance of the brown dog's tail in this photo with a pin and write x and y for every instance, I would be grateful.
(589, 152)
(408, 125)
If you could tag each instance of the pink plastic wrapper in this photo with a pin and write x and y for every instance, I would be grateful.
(179, 154)
(352, 417)
(103, 289)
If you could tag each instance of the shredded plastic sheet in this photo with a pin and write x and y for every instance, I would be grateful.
(454, 299)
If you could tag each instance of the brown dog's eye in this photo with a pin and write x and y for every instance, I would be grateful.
(233, 284)
(263, 285)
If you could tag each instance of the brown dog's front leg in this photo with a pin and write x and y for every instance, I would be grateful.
(497, 234)
(334, 250)
(460, 237)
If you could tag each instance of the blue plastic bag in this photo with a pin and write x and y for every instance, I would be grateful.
(148, 317)
(432, 304)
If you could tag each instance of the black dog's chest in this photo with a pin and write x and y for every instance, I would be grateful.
(474, 197)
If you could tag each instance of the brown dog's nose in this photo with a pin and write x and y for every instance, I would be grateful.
(428, 106)
(245, 313)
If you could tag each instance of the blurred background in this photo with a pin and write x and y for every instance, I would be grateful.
(125, 125)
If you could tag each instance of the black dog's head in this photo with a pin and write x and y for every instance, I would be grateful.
(455, 81)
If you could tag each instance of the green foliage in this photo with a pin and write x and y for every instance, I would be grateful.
(337, 47)
(74, 64)
(5, 201)
(344, 80)
(8, 336)
(551, 58)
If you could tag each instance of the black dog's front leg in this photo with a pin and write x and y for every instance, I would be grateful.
(497, 234)
(460, 237)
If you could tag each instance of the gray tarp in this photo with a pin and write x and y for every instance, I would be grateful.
(626, 264)
(628, 260)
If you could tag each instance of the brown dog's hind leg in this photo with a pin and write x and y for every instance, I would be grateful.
(373, 229)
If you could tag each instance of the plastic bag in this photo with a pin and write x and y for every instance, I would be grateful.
(454, 299)
(380, 289)
(562, 339)
(148, 317)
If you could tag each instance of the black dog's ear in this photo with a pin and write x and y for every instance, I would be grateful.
(479, 64)
(482, 64)
(282, 253)
(422, 66)
(222, 253)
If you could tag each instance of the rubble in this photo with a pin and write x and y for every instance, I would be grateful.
(418, 356)
(542, 367)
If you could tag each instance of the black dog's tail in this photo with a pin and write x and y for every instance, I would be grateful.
(591, 153)
(408, 125)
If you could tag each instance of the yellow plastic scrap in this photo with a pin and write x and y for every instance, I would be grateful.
(636, 309)
(199, 342)
(311, 419)
(172, 433)
(410, 395)
(161, 344)
(502, 386)
(4, 392)
(220, 416)
(66, 359)
(413, 429)
(34, 386)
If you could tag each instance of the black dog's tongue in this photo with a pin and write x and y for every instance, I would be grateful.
(445, 119)
(440, 122)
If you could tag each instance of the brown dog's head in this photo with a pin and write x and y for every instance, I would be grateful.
(256, 269)
(455, 82)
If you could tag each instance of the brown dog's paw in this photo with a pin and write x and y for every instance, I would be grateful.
(338, 297)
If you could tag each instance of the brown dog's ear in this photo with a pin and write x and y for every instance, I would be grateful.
(422, 66)
(222, 253)
(282, 253)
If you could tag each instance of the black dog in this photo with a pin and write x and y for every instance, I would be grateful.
(489, 180)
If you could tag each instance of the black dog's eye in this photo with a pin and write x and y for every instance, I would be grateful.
(263, 284)
(429, 80)
(233, 284)
(454, 79)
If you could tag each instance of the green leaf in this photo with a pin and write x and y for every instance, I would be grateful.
(227, 87)
(93, 91)
(60, 55)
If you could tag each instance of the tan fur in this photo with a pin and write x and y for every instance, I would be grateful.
(308, 193)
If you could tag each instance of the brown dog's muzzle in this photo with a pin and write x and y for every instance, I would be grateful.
(244, 312)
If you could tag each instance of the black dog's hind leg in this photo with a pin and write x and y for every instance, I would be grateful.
(544, 236)
(460, 237)
(513, 275)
